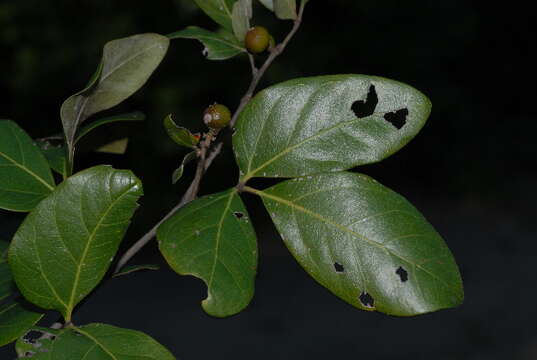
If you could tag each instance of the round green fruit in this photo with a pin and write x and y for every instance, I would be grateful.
(216, 116)
(257, 39)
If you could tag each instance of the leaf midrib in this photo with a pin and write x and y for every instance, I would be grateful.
(37, 177)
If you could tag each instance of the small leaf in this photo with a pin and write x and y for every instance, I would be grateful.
(212, 239)
(25, 177)
(56, 159)
(102, 342)
(134, 116)
(115, 147)
(365, 243)
(218, 45)
(269, 4)
(65, 245)
(126, 65)
(285, 9)
(15, 320)
(182, 136)
(129, 269)
(178, 173)
(218, 10)
(322, 124)
(242, 13)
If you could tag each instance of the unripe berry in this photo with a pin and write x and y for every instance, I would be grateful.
(216, 116)
(257, 39)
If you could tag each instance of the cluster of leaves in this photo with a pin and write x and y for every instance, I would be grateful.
(362, 241)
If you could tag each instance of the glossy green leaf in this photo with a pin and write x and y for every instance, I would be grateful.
(180, 135)
(307, 126)
(365, 243)
(285, 9)
(178, 173)
(212, 238)
(242, 13)
(101, 342)
(25, 177)
(56, 159)
(218, 45)
(218, 10)
(28, 347)
(126, 65)
(134, 116)
(15, 320)
(65, 245)
(129, 269)
(118, 147)
(6, 281)
(269, 4)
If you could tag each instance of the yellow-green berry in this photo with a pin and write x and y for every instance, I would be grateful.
(257, 39)
(216, 116)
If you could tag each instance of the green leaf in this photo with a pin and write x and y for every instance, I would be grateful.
(218, 10)
(212, 239)
(218, 45)
(365, 243)
(182, 136)
(27, 348)
(6, 281)
(129, 269)
(102, 342)
(285, 9)
(133, 116)
(65, 245)
(242, 13)
(25, 177)
(178, 173)
(15, 320)
(56, 159)
(308, 126)
(125, 67)
(269, 4)
(115, 147)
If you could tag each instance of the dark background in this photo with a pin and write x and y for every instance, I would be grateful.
(472, 169)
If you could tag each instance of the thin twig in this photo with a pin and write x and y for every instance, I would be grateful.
(204, 160)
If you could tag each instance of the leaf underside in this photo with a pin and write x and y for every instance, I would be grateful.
(101, 342)
(212, 238)
(309, 126)
(365, 243)
(25, 176)
(65, 245)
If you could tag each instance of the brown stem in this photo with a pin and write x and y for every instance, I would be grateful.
(205, 160)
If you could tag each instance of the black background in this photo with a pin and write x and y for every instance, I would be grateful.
(471, 170)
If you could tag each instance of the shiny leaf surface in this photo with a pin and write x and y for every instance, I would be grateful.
(218, 10)
(309, 126)
(65, 245)
(212, 239)
(25, 177)
(218, 45)
(101, 342)
(365, 243)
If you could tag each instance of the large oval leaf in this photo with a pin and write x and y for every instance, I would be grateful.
(327, 123)
(126, 65)
(101, 342)
(218, 10)
(65, 245)
(365, 243)
(25, 177)
(212, 238)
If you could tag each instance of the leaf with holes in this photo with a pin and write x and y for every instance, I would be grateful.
(309, 126)
(242, 13)
(133, 116)
(285, 9)
(65, 245)
(126, 65)
(15, 320)
(220, 45)
(101, 342)
(218, 10)
(212, 238)
(365, 243)
(25, 177)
